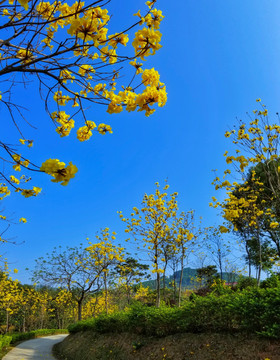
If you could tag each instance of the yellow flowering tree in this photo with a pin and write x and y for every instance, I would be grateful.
(63, 307)
(10, 297)
(106, 256)
(153, 225)
(252, 204)
(69, 51)
(99, 304)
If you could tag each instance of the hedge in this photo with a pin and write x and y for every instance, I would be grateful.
(254, 311)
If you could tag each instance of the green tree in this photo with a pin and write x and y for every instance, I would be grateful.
(207, 274)
(131, 271)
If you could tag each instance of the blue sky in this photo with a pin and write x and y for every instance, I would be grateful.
(217, 58)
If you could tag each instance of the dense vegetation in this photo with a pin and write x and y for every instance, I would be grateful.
(252, 311)
(232, 323)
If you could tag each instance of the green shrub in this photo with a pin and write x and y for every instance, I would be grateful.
(244, 282)
(252, 310)
(272, 282)
(5, 341)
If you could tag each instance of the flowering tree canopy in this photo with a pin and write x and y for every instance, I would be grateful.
(69, 51)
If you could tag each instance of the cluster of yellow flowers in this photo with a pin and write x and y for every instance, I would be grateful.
(57, 169)
(90, 26)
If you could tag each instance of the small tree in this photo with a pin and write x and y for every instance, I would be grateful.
(131, 272)
(185, 242)
(217, 248)
(207, 274)
(153, 226)
(106, 256)
(75, 269)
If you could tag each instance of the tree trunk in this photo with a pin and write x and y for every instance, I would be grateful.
(7, 321)
(249, 259)
(158, 290)
(80, 302)
(106, 292)
(128, 293)
(158, 274)
(174, 283)
(220, 265)
(164, 285)
(260, 265)
(180, 281)
(23, 323)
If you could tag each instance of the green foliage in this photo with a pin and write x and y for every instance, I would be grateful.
(245, 282)
(206, 275)
(5, 341)
(253, 311)
(219, 287)
(272, 282)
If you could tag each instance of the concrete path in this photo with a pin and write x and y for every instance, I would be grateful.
(35, 349)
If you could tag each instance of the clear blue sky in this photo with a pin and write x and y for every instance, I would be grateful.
(217, 58)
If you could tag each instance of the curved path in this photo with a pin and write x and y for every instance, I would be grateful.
(35, 349)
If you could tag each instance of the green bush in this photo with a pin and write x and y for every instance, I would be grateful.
(272, 282)
(244, 282)
(5, 341)
(252, 310)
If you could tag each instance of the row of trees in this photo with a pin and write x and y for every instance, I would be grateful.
(165, 239)
(85, 280)
(72, 293)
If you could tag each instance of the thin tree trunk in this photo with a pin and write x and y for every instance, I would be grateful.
(95, 305)
(260, 265)
(164, 277)
(7, 321)
(158, 276)
(174, 283)
(249, 259)
(158, 290)
(106, 292)
(128, 293)
(181, 280)
(220, 265)
(80, 302)
(23, 323)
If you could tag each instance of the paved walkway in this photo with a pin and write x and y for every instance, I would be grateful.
(35, 349)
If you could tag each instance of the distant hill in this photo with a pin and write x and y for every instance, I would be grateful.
(188, 281)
